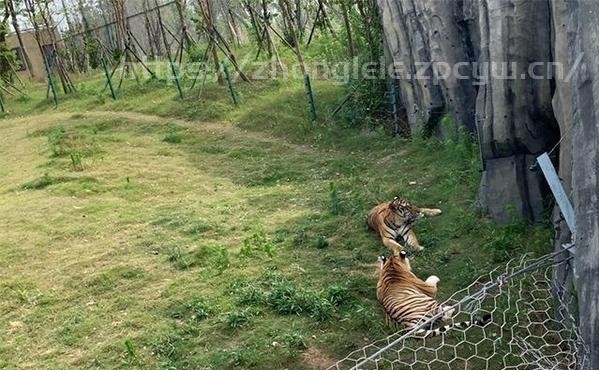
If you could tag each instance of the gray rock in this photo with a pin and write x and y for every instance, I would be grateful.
(510, 189)
(516, 119)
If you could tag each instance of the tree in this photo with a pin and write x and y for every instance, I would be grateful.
(11, 9)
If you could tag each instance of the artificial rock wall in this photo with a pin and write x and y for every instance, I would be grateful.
(515, 118)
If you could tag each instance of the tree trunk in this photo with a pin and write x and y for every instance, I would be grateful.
(15, 23)
(346, 21)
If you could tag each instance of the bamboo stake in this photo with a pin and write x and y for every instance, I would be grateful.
(300, 58)
(230, 83)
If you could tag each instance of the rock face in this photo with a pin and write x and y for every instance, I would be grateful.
(530, 73)
(576, 106)
(488, 45)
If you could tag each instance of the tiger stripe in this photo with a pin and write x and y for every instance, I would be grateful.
(408, 300)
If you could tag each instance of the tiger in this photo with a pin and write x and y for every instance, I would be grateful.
(408, 300)
(395, 218)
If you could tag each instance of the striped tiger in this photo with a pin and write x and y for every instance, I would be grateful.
(408, 300)
(394, 219)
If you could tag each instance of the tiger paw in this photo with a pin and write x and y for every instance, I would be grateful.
(433, 280)
(435, 212)
(417, 248)
(448, 312)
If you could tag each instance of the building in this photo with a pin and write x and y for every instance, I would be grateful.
(33, 50)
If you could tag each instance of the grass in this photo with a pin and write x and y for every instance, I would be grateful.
(152, 233)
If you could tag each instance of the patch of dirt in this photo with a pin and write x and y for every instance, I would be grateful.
(316, 359)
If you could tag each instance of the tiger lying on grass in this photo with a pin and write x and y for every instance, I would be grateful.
(395, 218)
(408, 300)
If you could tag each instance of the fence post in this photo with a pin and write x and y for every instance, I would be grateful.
(310, 97)
(50, 80)
(230, 84)
(176, 76)
(108, 79)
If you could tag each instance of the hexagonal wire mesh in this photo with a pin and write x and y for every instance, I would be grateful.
(531, 327)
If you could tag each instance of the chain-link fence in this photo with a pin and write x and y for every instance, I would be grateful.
(532, 327)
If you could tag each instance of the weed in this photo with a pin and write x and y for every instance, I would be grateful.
(257, 243)
(335, 206)
(294, 341)
(55, 141)
(76, 162)
(23, 98)
(198, 228)
(194, 309)
(365, 317)
(338, 294)
(220, 259)
(168, 346)
(173, 137)
(242, 358)
(286, 298)
(39, 183)
(319, 308)
(239, 318)
(180, 259)
(130, 349)
(250, 295)
(320, 242)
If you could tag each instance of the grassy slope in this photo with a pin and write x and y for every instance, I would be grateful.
(202, 236)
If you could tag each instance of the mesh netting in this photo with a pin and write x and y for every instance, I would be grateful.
(531, 328)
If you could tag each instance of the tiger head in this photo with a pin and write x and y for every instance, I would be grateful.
(405, 210)
(397, 261)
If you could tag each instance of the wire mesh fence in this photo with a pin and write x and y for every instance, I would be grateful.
(532, 327)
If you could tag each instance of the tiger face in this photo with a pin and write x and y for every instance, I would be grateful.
(405, 210)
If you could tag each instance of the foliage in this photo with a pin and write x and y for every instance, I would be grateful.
(256, 243)
(8, 58)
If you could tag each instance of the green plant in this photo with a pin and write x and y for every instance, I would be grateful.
(180, 259)
(8, 59)
(256, 243)
(76, 162)
(284, 298)
(55, 141)
(238, 319)
(39, 183)
(335, 205)
(294, 341)
(193, 309)
(173, 136)
(221, 259)
(320, 242)
(250, 295)
(338, 294)
(130, 349)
